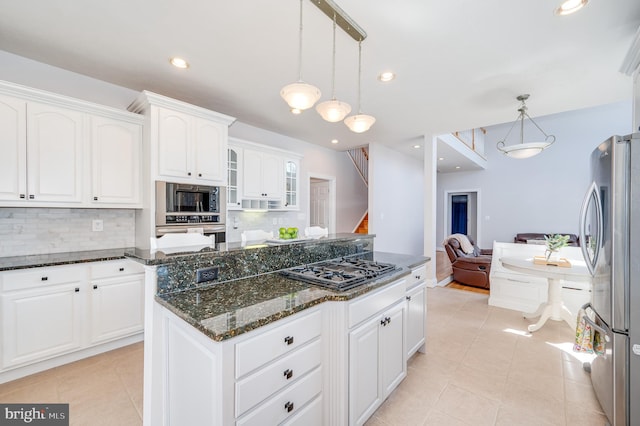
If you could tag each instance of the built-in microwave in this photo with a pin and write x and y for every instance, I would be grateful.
(185, 207)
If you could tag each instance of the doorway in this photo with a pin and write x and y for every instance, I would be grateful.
(322, 210)
(461, 213)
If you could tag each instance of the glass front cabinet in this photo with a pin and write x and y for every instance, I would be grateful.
(234, 159)
(292, 184)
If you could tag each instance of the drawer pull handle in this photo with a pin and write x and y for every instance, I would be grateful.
(288, 340)
(383, 322)
(409, 298)
(418, 277)
(44, 278)
(95, 286)
(288, 373)
(22, 196)
(31, 197)
(77, 289)
(121, 269)
(288, 406)
(95, 198)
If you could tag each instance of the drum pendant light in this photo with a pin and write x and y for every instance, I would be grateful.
(359, 123)
(333, 110)
(300, 95)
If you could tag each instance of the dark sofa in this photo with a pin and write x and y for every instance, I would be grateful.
(523, 238)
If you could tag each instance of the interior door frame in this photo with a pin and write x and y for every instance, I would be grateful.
(447, 197)
(332, 198)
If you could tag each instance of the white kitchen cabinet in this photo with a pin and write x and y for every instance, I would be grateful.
(377, 362)
(416, 310)
(291, 184)
(117, 300)
(636, 100)
(54, 154)
(263, 175)
(116, 151)
(41, 314)
(234, 178)
(13, 148)
(58, 314)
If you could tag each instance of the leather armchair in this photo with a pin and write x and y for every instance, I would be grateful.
(471, 269)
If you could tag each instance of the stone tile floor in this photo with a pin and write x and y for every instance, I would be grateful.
(481, 368)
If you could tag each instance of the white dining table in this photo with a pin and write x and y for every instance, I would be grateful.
(553, 308)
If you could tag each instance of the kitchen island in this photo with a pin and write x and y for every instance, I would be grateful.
(224, 341)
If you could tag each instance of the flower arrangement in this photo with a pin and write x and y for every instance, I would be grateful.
(555, 243)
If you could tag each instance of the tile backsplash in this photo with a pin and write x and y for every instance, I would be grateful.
(26, 231)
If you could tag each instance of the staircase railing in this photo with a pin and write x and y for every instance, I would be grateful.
(473, 138)
(360, 158)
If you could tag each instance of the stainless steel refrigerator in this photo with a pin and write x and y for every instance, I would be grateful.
(610, 241)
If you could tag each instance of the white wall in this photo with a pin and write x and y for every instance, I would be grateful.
(396, 200)
(543, 193)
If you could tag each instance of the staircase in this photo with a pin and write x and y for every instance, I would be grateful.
(363, 227)
(360, 158)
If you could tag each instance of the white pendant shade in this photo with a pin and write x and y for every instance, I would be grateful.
(359, 123)
(333, 110)
(525, 150)
(300, 95)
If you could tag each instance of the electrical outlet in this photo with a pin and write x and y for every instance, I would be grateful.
(97, 225)
(207, 274)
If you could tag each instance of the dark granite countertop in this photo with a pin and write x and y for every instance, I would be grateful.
(160, 258)
(55, 259)
(234, 307)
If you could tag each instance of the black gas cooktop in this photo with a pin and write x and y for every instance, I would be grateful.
(340, 275)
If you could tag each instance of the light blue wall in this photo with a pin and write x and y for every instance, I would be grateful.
(539, 194)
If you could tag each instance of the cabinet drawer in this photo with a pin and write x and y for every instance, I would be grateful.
(417, 275)
(269, 380)
(287, 403)
(311, 415)
(38, 277)
(115, 268)
(369, 305)
(270, 345)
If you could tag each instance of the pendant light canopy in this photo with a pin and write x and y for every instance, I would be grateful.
(524, 149)
(333, 110)
(359, 123)
(300, 95)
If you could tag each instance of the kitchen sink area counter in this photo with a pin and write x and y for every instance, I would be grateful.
(64, 258)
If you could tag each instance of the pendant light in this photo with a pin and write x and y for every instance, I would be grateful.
(528, 149)
(359, 123)
(333, 110)
(300, 95)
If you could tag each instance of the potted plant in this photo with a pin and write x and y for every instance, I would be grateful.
(554, 243)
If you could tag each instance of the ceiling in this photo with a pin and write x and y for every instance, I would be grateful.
(459, 64)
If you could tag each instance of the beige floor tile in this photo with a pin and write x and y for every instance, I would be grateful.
(583, 394)
(479, 382)
(404, 407)
(41, 391)
(514, 416)
(467, 406)
(437, 418)
(578, 414)
(575, 372)
(532, 404)
(542, 384)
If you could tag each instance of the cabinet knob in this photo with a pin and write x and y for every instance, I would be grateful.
(418, 277)
(22, 196)
(188, 173)
(288, 373)
(31, 197)
(199, 174)
(44, 278)
(288, 406)
(120, 269)
(383, 322)
(388, 320)
(288, 340)
(95, 286)
(77, 289)
(95, 198)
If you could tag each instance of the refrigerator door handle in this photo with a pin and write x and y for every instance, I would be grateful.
(591, 259)
(599, 329)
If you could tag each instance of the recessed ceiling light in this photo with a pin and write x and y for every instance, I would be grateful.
(179, 62)
(334, 141)
(457, 167)
(570, 6)
(441, 158)
(386, 76)
(416, 146)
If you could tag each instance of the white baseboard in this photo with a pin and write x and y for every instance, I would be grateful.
(445, 281)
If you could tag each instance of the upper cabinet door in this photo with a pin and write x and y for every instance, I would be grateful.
(174, 135)
(13, 149)
(252, 174)
(54, 154)
(210, 145)
(116, 148)
(272, 176)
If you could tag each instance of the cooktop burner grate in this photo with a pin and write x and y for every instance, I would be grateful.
(340, 275)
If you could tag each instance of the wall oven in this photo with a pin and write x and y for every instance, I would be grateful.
(191, 208)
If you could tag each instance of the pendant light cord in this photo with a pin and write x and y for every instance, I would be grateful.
(300, 46)
(333, 72)
(359, 74)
